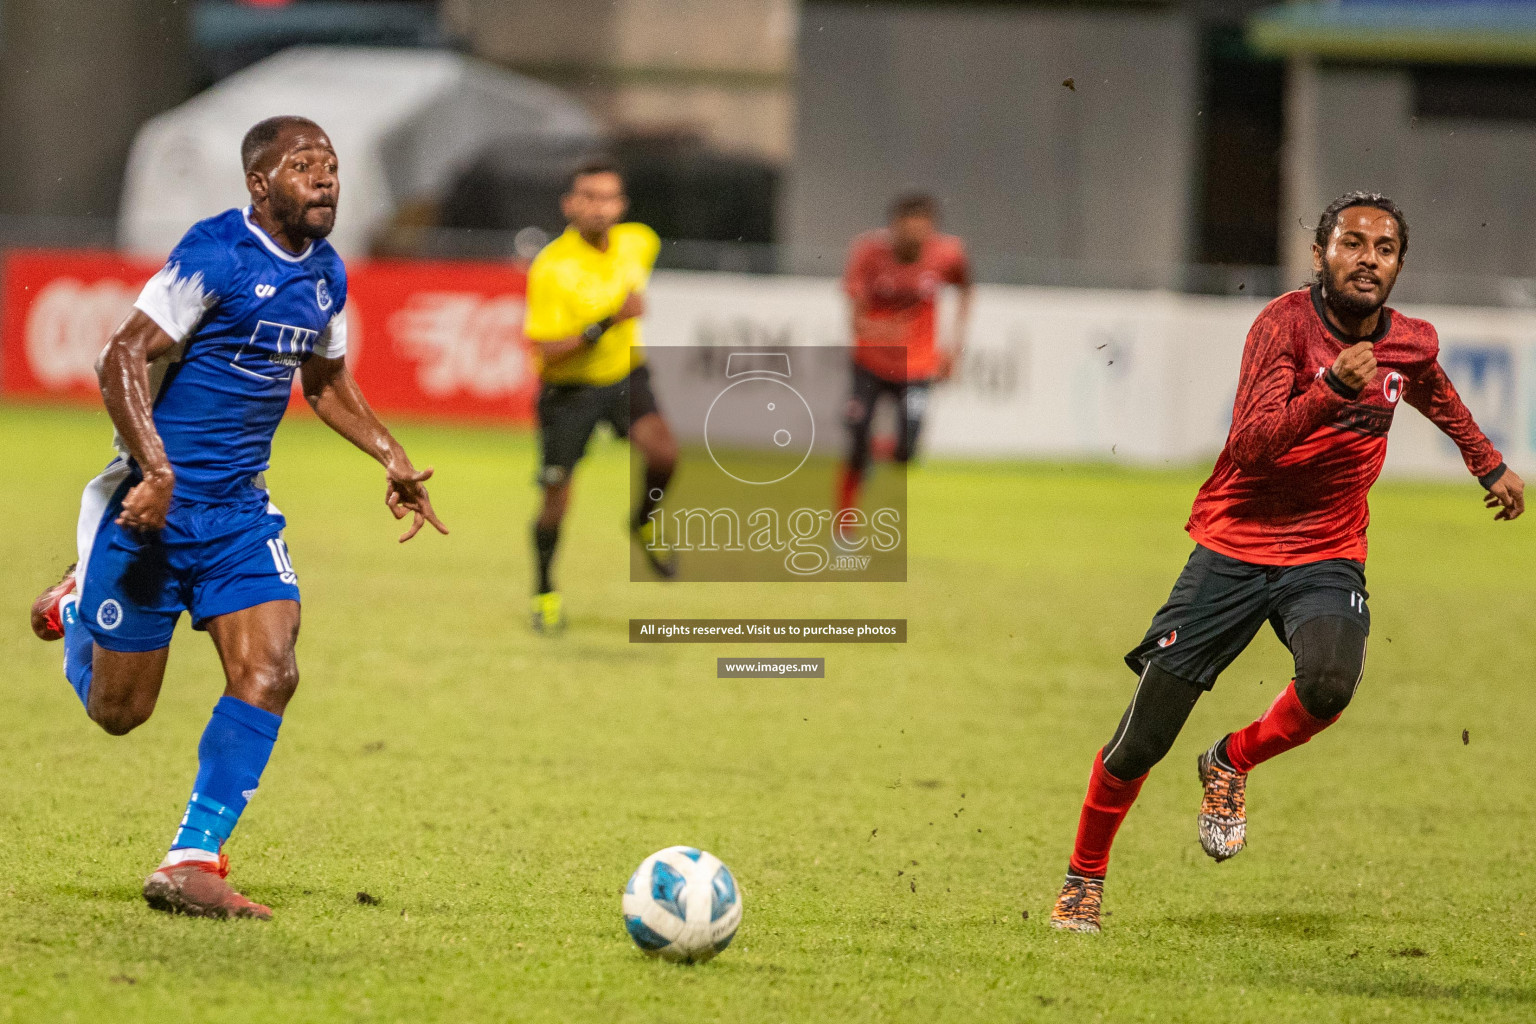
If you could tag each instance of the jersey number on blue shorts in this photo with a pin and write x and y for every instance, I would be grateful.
(281, 561)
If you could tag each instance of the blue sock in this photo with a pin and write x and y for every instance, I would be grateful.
(230, 759)
(78, 650)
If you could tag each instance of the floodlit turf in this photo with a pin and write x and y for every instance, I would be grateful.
(899, 828)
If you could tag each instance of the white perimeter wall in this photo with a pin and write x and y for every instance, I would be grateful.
(1143, 378)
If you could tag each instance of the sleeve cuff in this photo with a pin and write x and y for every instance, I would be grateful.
(1338, 386)
(333, 341)
(1493, 476)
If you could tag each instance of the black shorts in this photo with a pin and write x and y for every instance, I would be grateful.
(1219, 604)
(910, 397)
(568, 413)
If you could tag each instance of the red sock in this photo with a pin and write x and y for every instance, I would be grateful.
(1285, 725)
(1108, 801)
(848, 481)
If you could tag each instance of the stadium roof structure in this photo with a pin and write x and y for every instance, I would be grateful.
(1446, 32)
(404, 122)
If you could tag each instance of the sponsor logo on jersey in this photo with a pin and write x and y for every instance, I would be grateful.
(275, 350)
(266, 291)
(1392, 386)
(1168, 641)
(322, 295)
(1370, 420)
(110, 614)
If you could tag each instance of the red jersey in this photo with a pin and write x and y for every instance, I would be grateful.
(904, 295)
(1290, 486)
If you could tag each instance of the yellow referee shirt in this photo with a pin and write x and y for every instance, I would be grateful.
(571, 285)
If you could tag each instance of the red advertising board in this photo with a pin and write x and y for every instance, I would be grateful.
(430, 339)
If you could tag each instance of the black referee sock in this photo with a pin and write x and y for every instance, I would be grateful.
(656, 480)
(544, 540)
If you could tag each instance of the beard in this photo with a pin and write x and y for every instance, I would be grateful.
(295, 215)
(327, 221)
(1348, 303)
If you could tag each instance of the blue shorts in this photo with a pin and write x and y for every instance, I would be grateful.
(211, 559)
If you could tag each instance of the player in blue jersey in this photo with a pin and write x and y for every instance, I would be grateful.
(196, 380)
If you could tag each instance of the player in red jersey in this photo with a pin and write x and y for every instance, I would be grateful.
(1280, 533)
(893, 281)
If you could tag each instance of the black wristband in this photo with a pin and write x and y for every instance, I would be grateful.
(1339, 387)
(594, 332)
(1493, 476)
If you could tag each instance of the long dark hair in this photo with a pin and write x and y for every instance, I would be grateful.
(1376, 200)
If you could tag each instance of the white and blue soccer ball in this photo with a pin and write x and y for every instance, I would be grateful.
(682, 904)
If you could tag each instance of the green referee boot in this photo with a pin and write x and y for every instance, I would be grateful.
(662, 559)
(547, 615)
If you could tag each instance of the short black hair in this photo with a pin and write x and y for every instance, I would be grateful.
(914, 204)
(1375, 200)
(263, 133)
(599, 164)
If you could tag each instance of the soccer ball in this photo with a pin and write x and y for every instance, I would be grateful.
(682, 904)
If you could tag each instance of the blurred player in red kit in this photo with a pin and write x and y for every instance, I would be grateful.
(1280, 532)
(893, 282)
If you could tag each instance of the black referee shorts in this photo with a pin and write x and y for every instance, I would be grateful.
(568, 413)
(1219, 604)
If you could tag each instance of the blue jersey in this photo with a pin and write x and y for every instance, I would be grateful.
(245, 314)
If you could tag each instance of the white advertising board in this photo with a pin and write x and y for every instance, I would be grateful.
(1143, 378)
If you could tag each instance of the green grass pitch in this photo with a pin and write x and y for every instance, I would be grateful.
(899, 829)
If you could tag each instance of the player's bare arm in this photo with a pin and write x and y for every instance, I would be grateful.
(333, 394)
(561, 349)
(950, 355)
(123, 372)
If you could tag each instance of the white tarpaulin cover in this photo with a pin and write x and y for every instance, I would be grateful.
(403, 122)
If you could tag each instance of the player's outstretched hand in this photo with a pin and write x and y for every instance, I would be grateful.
(1356, 365)
(405, 495)
(147, 502)
(1507, 495)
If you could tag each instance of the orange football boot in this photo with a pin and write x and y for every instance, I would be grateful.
(197, 888)
(1077, 908)
(45, 610)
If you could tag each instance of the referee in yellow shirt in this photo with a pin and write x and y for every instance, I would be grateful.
(586, 294)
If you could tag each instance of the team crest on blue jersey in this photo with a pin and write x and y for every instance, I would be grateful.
(322, 295)
(110, 614)
(1392, 386)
